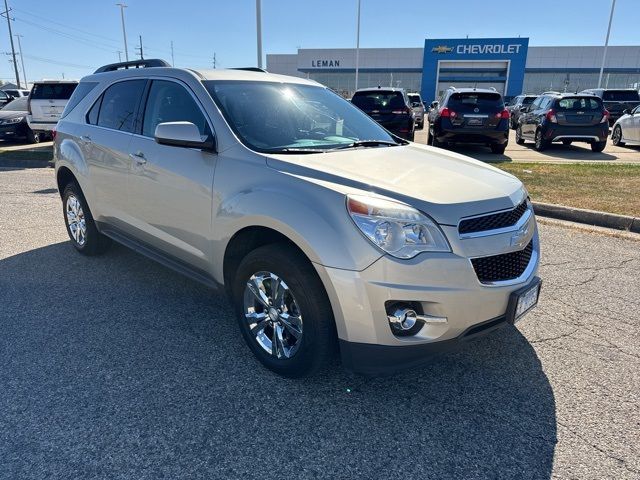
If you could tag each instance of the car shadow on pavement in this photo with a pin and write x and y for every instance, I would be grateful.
(572, 152)
(115, 367)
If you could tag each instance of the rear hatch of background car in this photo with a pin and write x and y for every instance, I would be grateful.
(386, 107)
(616, 101)
(475, 110)
(48, 99)
(579, 111)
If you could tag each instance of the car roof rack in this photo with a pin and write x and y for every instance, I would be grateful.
(251, 69)
(151, 62)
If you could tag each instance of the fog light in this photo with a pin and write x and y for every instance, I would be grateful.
(405, 321)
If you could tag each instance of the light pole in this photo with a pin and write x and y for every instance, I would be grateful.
(124, 31)
(606, 43)
(13, 50)
(358, 46)
(24, 74)
(259, 31)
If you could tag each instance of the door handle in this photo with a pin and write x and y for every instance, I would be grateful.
(138, 157)
(85, 138)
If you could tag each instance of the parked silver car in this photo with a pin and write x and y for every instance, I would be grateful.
(325, 231)
(418, 109)
(626, 130)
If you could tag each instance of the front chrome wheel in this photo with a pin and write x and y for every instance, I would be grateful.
(76, 220)
(273, 315)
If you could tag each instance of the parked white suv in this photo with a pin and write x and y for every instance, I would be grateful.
(46, 103)
(325, 230)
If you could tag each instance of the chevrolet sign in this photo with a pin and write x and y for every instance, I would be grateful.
(441, 49)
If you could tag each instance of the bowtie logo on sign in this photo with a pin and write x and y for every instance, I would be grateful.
(442, 49)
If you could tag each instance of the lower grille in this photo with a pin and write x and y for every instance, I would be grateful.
(507, 266)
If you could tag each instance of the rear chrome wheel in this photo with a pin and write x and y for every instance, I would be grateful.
(273, 315)
(519, 138)
(541, 144)
(75, 220)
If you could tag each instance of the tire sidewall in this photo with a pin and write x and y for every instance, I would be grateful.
(310, 296)
(617, 135)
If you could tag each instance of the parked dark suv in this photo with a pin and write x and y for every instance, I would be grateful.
(515, 105)
(469, 115)
(616, 101)
(566, 118)
(390, 107)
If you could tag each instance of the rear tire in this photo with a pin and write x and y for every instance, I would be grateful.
(598, 146)
(519, 137)
(303, 298)
(434, 141)
(616, 136)
(541, 144)
(81, 227)
(498, 149)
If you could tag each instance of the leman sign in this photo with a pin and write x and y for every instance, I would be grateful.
(325, 63)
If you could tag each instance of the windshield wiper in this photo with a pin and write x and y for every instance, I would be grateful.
(366, 143)
(294, 150)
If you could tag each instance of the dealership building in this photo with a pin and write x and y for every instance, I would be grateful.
(509, 65)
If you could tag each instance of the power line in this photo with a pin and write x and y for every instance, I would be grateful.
(57, 62)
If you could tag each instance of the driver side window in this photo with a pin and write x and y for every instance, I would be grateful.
(171, 102)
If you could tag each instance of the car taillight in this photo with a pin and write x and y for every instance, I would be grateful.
(551, 116)
(404, 111)
(447, 113)
(29, 106)
(53, 134)
(504, 114)
(605, 116)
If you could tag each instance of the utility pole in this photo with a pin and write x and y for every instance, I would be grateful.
(24, 74)
(13, 50)
(119, 52)
(141, 52)
(258, 31)
(124, 31)
(214, 60)
(358, 46)
(606, 43)
(173, 63)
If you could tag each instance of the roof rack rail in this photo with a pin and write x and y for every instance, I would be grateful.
(451, 87)
(152, 62)
(250, 69)
(493, 88)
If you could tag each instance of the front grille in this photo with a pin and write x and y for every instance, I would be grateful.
(493, 221)
(507, 266)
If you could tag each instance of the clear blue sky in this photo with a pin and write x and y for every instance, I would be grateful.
(75, 36)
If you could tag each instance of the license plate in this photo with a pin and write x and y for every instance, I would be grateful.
(474, 121)
(523, 300)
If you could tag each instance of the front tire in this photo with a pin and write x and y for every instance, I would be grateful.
(81, 227)
(616, 136)
(598, 146)
(284, 313)
(33, 137)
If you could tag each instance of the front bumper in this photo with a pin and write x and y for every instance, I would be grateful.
(13, 130)
(443, 284)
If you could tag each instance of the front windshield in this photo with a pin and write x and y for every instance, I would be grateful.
(291, 118)
(18, 105)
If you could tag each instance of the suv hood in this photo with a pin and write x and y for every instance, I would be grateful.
(445, 185)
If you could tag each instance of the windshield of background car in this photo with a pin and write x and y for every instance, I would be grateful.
(17, 105)
(476, 102)
(280, 117)
(620, 96)
(578, 103)
(378, 100)
(52, 91)
(528, 100)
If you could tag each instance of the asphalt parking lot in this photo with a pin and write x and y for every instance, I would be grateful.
(115, 367)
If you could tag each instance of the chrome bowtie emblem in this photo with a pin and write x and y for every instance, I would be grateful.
(519, 239)
(476, 110)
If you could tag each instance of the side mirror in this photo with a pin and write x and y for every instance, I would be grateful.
(182, 134)
(626, 112)
(434, 104)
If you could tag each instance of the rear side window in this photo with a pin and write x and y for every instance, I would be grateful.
(171, 102)
(52, 91)
(577, 103)
(476, 102)
(118, 105)
(620, 96)
(378, 100)
(79, 93)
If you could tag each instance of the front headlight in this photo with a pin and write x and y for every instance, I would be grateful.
(12, 120)
(396, 228)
